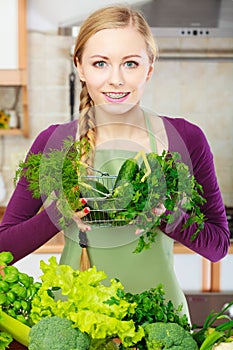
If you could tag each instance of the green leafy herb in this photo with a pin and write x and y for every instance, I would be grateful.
(170, 183)
(55, 176)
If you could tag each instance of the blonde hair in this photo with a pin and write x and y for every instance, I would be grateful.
(106, 18)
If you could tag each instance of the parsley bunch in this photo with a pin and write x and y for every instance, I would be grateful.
(169, 183)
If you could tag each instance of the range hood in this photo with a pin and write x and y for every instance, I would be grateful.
(176, 18)
(213, 18)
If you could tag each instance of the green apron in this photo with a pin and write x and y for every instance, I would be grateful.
(111, 248)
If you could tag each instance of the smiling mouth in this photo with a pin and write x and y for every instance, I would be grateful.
(116, 95)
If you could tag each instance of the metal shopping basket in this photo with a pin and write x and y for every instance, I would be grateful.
(105, 210)
(103, 207)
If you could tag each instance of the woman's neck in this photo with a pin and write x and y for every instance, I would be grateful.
(105, 116)
(119, 126)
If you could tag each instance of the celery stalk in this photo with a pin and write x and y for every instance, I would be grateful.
(16, 329)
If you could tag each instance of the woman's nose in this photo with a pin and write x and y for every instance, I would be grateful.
(116, 77)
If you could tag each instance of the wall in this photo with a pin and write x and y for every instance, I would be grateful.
(198, 90)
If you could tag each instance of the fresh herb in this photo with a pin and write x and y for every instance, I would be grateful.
(169, 182)
(55, 176)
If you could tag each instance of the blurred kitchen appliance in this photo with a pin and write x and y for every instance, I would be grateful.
(201, 304)
(229, 212)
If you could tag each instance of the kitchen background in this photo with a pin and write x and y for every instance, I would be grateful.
(200, 90)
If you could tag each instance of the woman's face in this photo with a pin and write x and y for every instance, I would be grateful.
(115, 66)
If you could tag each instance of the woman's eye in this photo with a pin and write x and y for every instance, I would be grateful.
(100, 64)
(131, 64)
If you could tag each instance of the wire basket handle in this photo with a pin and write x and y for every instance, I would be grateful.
(87, 166)
(144, 158)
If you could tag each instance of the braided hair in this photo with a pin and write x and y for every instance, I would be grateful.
(110, 17)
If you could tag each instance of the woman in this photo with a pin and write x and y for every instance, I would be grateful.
(115, 55)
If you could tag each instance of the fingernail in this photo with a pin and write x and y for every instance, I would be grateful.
(83, 201)
(86, 210)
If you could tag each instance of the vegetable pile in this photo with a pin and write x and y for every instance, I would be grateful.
(77, 310)
(140, 186)
(102, 311)
(86, 303)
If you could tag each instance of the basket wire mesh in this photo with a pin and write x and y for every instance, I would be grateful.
(102, 212)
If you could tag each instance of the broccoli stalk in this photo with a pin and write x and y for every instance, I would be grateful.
(57, 333)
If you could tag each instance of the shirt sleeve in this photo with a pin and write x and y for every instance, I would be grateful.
(213, 240)
(25, 225)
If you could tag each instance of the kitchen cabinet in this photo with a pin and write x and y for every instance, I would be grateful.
(14, 73)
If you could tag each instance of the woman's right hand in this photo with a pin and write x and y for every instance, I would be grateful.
(78, 215)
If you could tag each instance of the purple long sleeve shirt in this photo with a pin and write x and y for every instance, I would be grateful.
(25, 228)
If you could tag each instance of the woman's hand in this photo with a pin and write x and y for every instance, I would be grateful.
(77, 217)
(158, 211)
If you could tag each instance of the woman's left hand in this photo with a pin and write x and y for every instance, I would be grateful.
(158, 211)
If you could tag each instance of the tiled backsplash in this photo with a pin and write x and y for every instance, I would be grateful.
(199, 90)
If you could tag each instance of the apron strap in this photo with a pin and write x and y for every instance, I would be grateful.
(153, 144)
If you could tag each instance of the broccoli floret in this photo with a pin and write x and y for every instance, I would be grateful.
(170, 336)
(56, 333)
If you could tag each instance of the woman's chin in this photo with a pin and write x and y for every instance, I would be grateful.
(117, 108)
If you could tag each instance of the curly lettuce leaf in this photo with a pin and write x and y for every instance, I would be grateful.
(94, 308)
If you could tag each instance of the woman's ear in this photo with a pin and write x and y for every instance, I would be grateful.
(150, 71)
(80, 70)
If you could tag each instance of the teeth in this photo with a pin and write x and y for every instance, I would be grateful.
(116, 94)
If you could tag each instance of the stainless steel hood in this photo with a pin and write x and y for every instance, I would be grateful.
(172, 18)
(176, 18)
